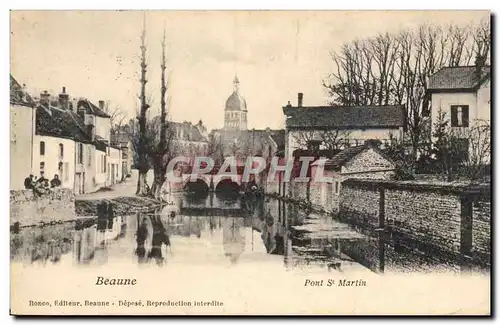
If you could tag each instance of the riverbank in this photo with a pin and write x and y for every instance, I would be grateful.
(122, 205)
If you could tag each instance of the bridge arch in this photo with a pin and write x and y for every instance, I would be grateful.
(200, 185)
(227, 185)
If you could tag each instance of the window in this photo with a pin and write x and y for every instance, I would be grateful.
(60, 169)
(42, 148)
(336, 187)
(61, 151)
(459, 115)
(89, 158)
(104, 164)
(42, 166)
(80, 153)
(66, 171)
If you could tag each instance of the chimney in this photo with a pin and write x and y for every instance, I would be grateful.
(101, 105)
(64, 99)
(299, 99)
(44, 98)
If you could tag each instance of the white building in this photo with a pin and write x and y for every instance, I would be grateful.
(22, 121)
(107, 162)
(463, 96)
(349, 125)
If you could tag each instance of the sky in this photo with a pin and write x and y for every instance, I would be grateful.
(275, 54)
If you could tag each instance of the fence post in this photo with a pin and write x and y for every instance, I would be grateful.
(381, 230)
(466, 232)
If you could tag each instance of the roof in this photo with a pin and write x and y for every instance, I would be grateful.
(453, 78)
(344, 156)
(236, 102)
(17, 94)
(347, 117)
(91, 108)
(56, 122)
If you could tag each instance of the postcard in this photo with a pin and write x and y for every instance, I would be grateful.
(250, 163)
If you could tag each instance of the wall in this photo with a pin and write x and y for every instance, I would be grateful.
(443, 101)
(89, 167)
(484, 102)
(21, 144)
(100, 174)
(481, 228)
(52, 159)
(435, 214)
(103, 127)
(114, 159)
(57, 205)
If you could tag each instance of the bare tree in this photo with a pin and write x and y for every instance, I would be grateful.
(141, 146)
(478, 137)
(393, 69)
(117, 117)
(159, 155)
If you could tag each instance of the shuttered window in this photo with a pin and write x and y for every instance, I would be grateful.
(459, 115)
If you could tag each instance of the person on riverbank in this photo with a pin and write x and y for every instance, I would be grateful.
(28, 182)
(55, 182)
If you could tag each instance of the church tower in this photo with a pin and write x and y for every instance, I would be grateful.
(235, 115)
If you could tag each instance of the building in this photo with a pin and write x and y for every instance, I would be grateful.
(63, 136)
(463, 96)
(244, 143)
(107, 158)
(363, 161)
(185, 139)
(336, 127)
(62, 144)
(22, 127)
(123, 140)
(236, 140)
(235, 114)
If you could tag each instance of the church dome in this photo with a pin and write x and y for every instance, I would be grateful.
(236, 102)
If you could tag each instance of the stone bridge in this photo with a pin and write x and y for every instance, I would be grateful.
(212, 181)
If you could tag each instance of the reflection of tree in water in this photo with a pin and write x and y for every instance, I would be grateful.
(233, 240)
(159, 237)
(141, 236)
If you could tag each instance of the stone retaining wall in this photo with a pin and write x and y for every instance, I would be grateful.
(455, 218)
(55, 206)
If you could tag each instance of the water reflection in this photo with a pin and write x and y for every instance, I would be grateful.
(213, 228)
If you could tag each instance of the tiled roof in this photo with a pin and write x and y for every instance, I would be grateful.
(457, 78)
(92, 109)
(345, 155)
(56, 122)
(18, 95)
(346, 117)
(349, 153)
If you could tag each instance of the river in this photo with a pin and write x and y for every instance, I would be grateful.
(215, 229)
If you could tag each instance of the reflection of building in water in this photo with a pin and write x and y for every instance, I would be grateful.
(85, 244)
(40, 245)
(233, 239)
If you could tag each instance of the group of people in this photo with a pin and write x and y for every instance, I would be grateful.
(41, 184)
